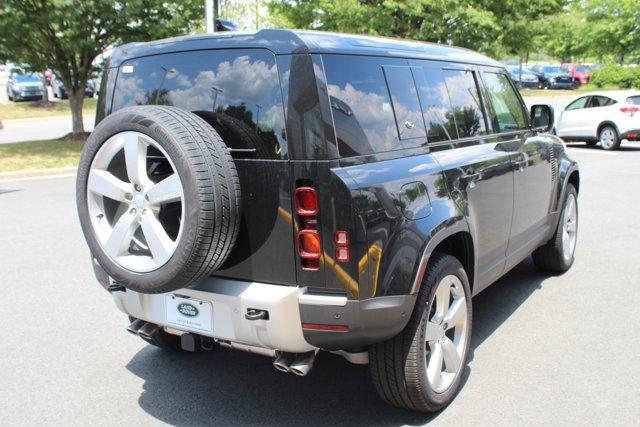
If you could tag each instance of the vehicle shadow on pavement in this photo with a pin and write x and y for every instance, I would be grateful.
(230, 387)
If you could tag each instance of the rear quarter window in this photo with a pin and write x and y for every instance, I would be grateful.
(236, 90)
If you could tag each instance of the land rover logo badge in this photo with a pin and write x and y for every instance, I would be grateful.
(187, 309)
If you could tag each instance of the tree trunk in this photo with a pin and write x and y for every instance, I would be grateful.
(45, 92)
(76, 100)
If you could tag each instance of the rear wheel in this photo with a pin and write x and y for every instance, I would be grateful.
(421, 368)
(609, 138)
(557, 254)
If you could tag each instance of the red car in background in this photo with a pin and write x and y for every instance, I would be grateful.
(580, 72)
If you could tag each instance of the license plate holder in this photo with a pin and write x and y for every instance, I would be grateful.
(189, 313)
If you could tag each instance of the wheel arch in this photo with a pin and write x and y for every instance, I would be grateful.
(607, 123)
(455, 240)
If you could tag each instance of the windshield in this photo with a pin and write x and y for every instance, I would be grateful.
(634, 100)
(581, 68)
(25, 78)
(551, 69)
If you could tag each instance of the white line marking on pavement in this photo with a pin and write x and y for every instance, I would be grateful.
(31, 178)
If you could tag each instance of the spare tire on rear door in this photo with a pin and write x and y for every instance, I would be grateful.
(158, 198)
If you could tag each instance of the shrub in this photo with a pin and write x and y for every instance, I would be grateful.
(615, 75)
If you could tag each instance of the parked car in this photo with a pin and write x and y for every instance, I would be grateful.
(580, 73)
(60, 91)
(552, 77)
(333, 192)
(606, 117)
(24, 86)
(523, 77)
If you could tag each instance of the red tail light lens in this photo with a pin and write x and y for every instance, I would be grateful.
(630, 111)
(309, 245)
(306, 201)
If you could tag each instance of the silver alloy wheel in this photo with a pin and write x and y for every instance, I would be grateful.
(134, 236)
(569, 227)
(445, 349)
(607, 137)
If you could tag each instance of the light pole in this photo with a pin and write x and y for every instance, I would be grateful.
(215, 97)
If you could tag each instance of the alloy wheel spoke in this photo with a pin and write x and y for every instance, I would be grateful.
(166, 191)
(432, 331)
(450, 355)
(135, 156)
(106, 184)
(434, 366)
(443, 295)
(456, 313)
(121, 235)
(159, 242)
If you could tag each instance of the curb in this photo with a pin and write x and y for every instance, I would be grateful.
(37, 173)
(44, 118)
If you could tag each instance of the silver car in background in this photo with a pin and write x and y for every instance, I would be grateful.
(24, 86)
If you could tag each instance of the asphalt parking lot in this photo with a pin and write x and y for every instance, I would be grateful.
(558, 350)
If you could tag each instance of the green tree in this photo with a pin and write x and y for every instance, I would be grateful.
(491, 26)
(67, 35)
(566, 36)
(614, 28)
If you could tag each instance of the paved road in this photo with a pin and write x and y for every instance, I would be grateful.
(559, 350)
(39, 129)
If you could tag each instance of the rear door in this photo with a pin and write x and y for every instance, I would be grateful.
(532, 160)
(573, 120)
(238, 92)
(477, 169)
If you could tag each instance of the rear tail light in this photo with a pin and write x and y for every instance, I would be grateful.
(630, 111)
(341, 239)
(309, 245)
(306, 201)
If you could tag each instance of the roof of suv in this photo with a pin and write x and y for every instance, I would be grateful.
(303, 41)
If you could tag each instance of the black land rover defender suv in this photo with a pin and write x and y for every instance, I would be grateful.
(285, 192)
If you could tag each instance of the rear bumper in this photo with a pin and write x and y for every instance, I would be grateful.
(289, 308)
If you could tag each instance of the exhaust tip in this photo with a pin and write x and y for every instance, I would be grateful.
(134, 327)
(148, 330)
(283, 362)
(303, 363)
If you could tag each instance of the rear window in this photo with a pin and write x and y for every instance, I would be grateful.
(361, 106)
(634, 100)
(467, 110)
(236, 89)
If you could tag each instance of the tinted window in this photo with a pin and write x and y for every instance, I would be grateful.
(467, 110)
(404, 98)
(506, 110)
(237, 91)
(634, 100)
(26, 78)
(600, 101)
(436, 106)
(578, 104)
(362, 111)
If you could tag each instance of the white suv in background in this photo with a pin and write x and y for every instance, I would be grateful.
(605, 117)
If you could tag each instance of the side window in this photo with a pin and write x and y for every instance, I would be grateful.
(236, 91)
(436, 105)
(404, 98)
(600, 101)
(465, 100)
(506, 110)
(578, 104)
(359, 98)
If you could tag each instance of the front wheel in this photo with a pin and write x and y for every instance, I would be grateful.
(421, 368)
(557, 254)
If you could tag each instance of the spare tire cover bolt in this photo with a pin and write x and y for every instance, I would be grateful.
(136, 187)
(133, 211)
(128, 196)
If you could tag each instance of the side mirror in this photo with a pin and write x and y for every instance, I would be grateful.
(542, 117)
